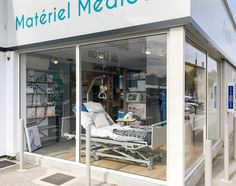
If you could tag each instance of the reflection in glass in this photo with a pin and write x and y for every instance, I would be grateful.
(195, 104)
(213, 100)
(124, 99)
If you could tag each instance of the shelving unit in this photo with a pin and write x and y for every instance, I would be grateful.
(44, 103)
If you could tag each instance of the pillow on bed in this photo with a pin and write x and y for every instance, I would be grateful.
(100, 119)
(94, 107)
(86, 119)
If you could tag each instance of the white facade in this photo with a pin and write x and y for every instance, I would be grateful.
(2, 24)
(2, 81)
(9, 105)
(214, 26)
(128, 15)
(2, 105)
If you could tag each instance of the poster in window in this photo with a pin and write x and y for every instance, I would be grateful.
(32, 136)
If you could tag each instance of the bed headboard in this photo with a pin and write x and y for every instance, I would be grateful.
(68, 125)
(158, 136)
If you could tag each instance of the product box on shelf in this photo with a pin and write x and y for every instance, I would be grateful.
(50, 111)
(40, 112)
(31, 76)
(29, 90)
(31, 113)
(138, 109)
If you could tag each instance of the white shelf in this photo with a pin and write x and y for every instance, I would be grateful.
(47, 127)
(48, 138)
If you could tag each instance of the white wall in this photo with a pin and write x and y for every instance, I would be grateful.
(8, 105)
(2, 24)
(129, 15)
(212, 17)
(2, 106)
(11, 68)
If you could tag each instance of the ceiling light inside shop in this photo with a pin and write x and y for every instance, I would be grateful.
(55, 61)
(100, 56)
(147, 51)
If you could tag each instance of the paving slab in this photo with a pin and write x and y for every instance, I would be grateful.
(33, 175)
(218, 169)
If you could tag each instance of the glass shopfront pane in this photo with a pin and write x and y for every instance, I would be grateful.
(124, 100)
(50, 98)
(213, 100)
(195, 104)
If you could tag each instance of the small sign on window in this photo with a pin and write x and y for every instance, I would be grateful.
(230, 97)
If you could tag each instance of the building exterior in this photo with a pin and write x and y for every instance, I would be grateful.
(166, 62)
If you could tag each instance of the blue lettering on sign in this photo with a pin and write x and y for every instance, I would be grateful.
(20, 22)
(84, 6)
(46, 17)
(89, 6)
(230, 97)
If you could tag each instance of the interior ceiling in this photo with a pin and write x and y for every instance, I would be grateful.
(60, 53)
(127, 51)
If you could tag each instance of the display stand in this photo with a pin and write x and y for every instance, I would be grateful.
(44, 103)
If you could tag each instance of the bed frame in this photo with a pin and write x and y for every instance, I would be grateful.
(122, 150)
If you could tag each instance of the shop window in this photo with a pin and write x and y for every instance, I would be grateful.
(213, 97)
(124, 100)
(50, 98)
(195, 104)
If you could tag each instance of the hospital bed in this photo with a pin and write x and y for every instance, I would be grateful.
(133, 143)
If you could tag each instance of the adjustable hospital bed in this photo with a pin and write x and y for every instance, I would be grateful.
(132, 143)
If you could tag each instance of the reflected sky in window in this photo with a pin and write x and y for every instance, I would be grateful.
(232, 5)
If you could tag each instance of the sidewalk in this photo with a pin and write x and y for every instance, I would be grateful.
(33, 176)
(218, 169)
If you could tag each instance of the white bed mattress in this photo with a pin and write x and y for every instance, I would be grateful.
(107, 132)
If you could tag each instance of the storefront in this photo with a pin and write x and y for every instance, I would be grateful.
(148, 76)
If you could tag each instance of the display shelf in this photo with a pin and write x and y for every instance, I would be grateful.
(136, 91)
(43, 117)
(39, 82)
(30, 106)
(44, 97)
(47, 127)
(153, 86)
(130, 79)
(48, 138)
(44, 93)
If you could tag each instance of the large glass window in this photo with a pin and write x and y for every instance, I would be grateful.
(213, 102)
(195, 103)
(50, 99)
(124, 100)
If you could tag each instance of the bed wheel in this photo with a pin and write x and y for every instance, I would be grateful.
(94, 155)
(150, 164)
(150, 167)
(160, 158)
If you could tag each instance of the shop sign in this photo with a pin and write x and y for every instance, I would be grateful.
(59, 14)
(38, 21)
